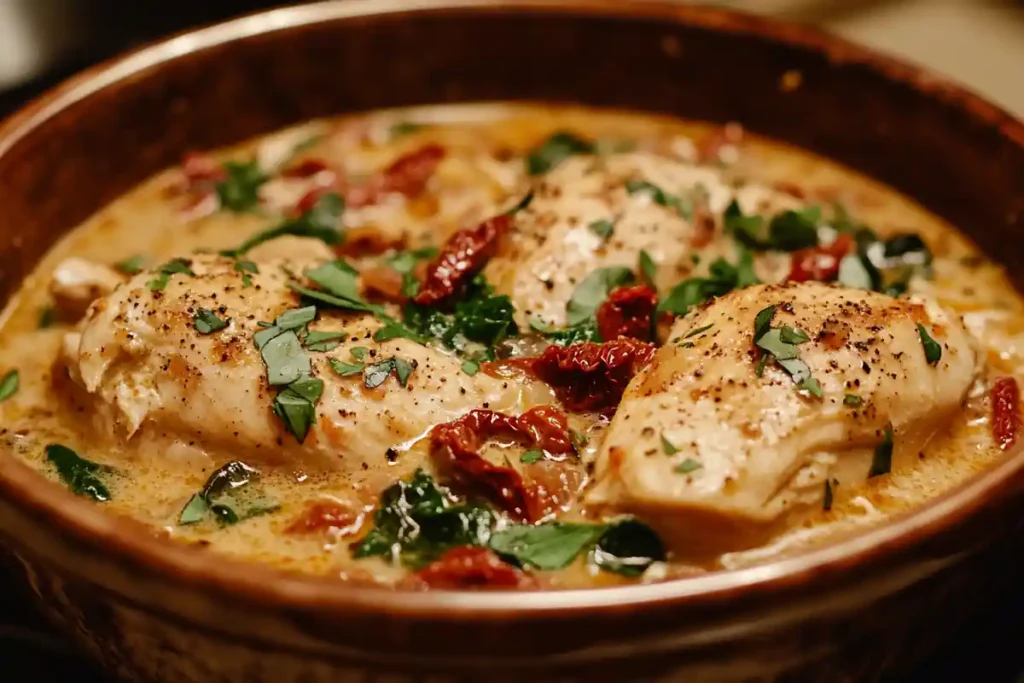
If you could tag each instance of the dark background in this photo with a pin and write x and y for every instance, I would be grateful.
(991, 649)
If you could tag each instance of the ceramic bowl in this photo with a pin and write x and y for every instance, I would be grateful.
(149, 610)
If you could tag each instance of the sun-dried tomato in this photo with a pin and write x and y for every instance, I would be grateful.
(325, 515)
(370, 241)
(1006, 419)
(408, 175)
(553, 485)
(307, 168)
(591, 376)
(463, 255)
(627, 312)
(455, 447)
(309, 200)
(383, 282)
(472, 567)
(820, 263)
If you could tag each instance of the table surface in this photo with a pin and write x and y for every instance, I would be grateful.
(977, 42)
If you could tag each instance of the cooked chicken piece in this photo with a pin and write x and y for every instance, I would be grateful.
(147, 370)
(583, 218)
(717, 457)
(77, 283)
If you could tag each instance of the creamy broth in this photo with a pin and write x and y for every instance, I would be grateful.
(305, 508)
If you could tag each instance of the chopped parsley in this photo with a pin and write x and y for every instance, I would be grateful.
(577, 334)
(295, 405)
(289, 367)
(405, 128)
(375, 374)
(9, 384)
(683, 207)
(339, 287)
(245, 268)
(470, 367)
(207, 321)
(852, 400)
(531, 456)
(131, 266)
(321, 222)
(932, 349)
(781, 344)
(82, 476)
(229, 496)
(723, 277)
(404, 261)
(555, 150)
(699, 330)
(881, 463)
(239, 191)
(165, 271)
(648, 268)
(667, 446)
(687, 466)
(787, 231)
(602, 228)
(417, 521)
(346, 369)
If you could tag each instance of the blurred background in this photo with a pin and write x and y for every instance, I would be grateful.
(977, 42)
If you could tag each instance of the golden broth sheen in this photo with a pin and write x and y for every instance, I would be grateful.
(475, 181)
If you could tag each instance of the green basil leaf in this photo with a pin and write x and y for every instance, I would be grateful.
(593, 290)
(9, 384)
(337, 278)
(827, 503)
(852, 400)
(132, 265)
(470, 367)
(648, 268)
(683, 207)
(789, 335)
(546, 546)
(47, 317)
(295, 405)
(687, 466)
(405, 261)
(207, 321)
(585, 331)
(602, 228)
(346, 369)
(763, 321)
(239, 191)
(932, 349)
(80, 475)
(667, 446)
(554, 151)
(195, 510)
(323, 341)
(628, 548)
(531, 456)
(320, 222)
(285, 359)
(881, 463)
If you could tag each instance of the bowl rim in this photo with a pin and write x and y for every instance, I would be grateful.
(134, 544)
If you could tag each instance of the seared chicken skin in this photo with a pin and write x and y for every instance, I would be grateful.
(711, 453)
(147, 370)
(598, 212)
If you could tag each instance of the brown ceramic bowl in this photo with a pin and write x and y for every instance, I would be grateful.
(153, 611)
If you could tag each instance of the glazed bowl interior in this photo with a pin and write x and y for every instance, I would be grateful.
(101, 133)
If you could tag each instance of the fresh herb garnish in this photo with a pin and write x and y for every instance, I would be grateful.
(340, 287)
(531, 456)
(245, 268)
(229, 496)
(683, 207)
(648, 268)
(131, 266)
(470, 367)
(80, 475)
(687, 466)
(699, 330)
(723, 278)
(521, 204)
(418, 520)
(852, 400)
(404, 261)
(239, 191)
(593, 290)
(602, 228)
(932, 349)
(855, 271)
(787, 231)
(346, 369)
(164, 272)
(295, 405)
(320, 221)
(207, 321)
(290, 367)
(405, 128)
(555, 150)
(322, 341)
(9, 384)
(577, 334)
(546, 546)
(292, 319)
(47, 317)
(374, 375)
(781, 344)
(881, 463)
(628, 548)
(667, 446)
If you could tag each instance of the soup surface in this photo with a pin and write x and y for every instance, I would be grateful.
(510, 347)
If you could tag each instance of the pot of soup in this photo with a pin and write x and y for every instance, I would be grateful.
(510, 341)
